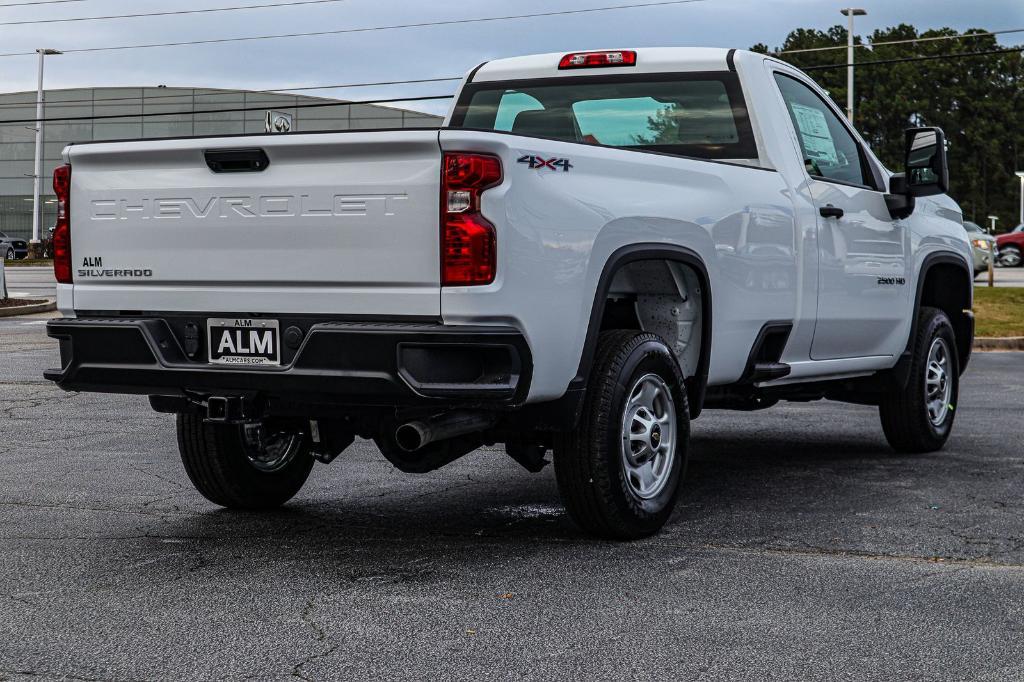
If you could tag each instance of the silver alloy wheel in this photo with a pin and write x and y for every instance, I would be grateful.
(1010, 257)
(270, 451)
(10, 254)
(938, 384)
(648, 436)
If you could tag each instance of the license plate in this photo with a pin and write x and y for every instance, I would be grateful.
(241, 341)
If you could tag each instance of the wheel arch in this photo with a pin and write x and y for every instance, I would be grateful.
(695, 385)
(945, 281)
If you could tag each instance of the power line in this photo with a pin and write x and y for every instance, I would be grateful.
(38, 2)
(903, 42)
(169, 13)
(360, 85)
(267, 91)
(317, 105)
(952, 55)
(449, 22)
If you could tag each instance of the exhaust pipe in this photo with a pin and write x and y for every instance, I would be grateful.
(417, 434)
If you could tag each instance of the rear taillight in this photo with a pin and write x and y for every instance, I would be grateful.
(596, 60)
(62, 230)
(468, 240)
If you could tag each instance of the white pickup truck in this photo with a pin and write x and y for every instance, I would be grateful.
(592, 249)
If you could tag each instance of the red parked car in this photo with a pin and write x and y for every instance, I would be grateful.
(1011, 246)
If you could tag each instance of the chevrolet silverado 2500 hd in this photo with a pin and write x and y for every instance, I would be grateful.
(592, 249)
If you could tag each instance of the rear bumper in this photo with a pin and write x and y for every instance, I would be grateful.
(336, 363)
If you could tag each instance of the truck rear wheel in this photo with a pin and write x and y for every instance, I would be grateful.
(919, 418)
(620, 470)
(250, 466)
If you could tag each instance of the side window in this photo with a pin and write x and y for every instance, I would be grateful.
(830, 151)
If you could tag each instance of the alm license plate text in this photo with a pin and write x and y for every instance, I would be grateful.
(242, 341)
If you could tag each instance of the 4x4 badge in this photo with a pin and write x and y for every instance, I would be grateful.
(539, 162)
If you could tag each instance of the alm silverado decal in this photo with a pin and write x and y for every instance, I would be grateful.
(540, 163)
(93, 267)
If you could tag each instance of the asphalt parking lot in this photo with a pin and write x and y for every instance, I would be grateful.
(31, 281)
(802, 549)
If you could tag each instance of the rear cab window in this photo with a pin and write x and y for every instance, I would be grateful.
(700, 115)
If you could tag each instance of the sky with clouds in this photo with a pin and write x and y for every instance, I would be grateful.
(413, 53)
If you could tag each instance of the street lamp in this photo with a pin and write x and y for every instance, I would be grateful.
(993, 218)
(38, 177)
(1020, 174)
(850, 13)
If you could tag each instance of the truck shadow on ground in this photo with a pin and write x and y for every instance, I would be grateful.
(725, 476)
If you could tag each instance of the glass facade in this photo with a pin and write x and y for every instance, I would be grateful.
(176, 115)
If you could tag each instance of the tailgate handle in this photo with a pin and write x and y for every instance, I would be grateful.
(237, 160)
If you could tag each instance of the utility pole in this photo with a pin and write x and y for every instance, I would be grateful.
(850, 13)
(38, 174)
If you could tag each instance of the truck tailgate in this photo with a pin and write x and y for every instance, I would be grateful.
(335, 223)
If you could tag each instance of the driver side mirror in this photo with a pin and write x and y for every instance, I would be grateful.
(927, 171)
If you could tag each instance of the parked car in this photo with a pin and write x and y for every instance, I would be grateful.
(1011, 246)
(12, 248)
(983, 245)
(592, 249)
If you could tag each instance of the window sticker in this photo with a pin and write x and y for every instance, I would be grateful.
(817, 140)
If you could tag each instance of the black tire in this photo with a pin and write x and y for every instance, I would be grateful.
(905, 416)
(216, 461)
(590, 460)
(9, 255)
(1010, 256)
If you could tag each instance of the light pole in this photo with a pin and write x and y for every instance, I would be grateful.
(38, 175)
(1020, 174)
(850, 13)
(993, 218)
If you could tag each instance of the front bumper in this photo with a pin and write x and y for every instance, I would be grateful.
(336, 363)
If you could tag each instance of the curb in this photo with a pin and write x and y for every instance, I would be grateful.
(42, 307)
(998, 343)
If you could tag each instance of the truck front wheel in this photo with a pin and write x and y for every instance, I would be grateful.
(620, 470)
(919, 417)
(248, 466)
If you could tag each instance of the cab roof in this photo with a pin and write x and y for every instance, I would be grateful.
(648, 60)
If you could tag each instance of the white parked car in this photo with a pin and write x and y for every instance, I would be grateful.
(594, 248)
(983, 247)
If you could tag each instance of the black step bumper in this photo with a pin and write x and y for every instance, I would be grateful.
(337, 362)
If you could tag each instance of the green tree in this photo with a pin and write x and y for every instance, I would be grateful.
(976, 100)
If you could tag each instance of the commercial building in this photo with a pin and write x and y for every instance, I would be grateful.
(178, 114)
